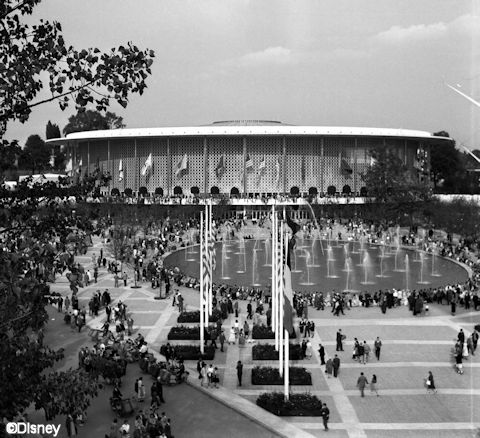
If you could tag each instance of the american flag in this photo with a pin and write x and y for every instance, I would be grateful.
(248, 163)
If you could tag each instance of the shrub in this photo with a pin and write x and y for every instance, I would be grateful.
(271, 376)
(268, 352)
(264, 332)
(298, 405)
(195, 316)
(182, 332)
(190, 352)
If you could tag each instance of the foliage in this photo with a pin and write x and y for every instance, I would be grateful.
(36, 155)
(66, 392)
(187, 333)
(191, 352)
(9, 153)
(82, 76)
(298, 404)
(52, 130)
(271, 376)
(264, 332)
(395, 191)
(268, 352)
(92, 120)
(446, 165)
(195, 316)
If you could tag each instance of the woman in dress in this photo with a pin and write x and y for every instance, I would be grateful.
(241, 338)
(308, 351)
(430, 383)
(329, 368)
(373, 385)
(203, 372)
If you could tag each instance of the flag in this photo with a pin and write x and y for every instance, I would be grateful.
(182, 166)
(120, 171)
(52, 161)
(345, 168)
(261, 168)
(69, 166)
(277, 171)
(303, 169)
(220, 169)
(248, 163)
(148, 165)
(262, 164)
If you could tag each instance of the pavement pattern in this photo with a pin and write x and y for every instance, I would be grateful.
(412, 346)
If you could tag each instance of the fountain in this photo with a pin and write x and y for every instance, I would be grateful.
(367, 266)
(422, 265)
(267, 253)
(348, 270)
(382, 256)
(312, 252)
(242, 255)
(434, 272)
(255, 267)
(330, 263)
(295, 269)
(224, 261)
(307, 268)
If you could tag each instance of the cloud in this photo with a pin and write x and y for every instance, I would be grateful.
(463, 26)
(271, 55)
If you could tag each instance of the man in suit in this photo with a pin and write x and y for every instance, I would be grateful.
(339, 340)
(321, 351)
(336, 365)
(361, 383)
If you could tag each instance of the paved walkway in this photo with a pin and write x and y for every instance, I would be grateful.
(411, 347)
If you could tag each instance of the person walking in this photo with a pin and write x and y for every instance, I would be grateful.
(222, 339)
(430, 383)
(340, 339)
(325, 413)
(366, 351)
(329, 368)
(336, 365)
(308, 350)
(373, 385)
(321, 351)
(239, 372)
(378, 347)
(361, 383)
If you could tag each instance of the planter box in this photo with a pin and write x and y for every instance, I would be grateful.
(186, 317)
(191, 352)
(267, 352)
(264, 332)
(186, 333)
(271, 376)
(298, 405)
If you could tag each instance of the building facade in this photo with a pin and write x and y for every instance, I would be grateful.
(244, 157)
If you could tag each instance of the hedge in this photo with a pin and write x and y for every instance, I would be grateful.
(264, 332)
(190, 352)
(195, 316)
(182, 332)
(268, 352)
(271, 376)
(298, 405)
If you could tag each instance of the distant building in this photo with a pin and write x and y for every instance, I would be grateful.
(243, 157)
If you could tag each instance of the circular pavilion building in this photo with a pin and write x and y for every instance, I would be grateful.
(244, 157)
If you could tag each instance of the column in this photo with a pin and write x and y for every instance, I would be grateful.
(169, 169)
(205, 166)
(355, 148)
(322, 165)
(284, 164)
(244, 165)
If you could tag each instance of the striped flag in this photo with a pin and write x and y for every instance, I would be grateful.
(220, 169)
(248, 163)
(261, 168)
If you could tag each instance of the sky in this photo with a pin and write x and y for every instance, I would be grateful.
(367, 63)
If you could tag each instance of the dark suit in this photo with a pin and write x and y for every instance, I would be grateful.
(339, 341)
(336, 366)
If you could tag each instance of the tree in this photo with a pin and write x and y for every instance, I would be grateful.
(92, 120)
(52, 130)
(394, 189)
(35, 155)
(446, 165)
(79, 76)
(9, 154)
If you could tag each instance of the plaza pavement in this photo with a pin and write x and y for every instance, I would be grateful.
(412, 346)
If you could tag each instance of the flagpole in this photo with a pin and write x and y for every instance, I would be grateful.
(281, 333)
(286, 373)
(210, 295)
(207, 267)
(274, 298)
(202, 350)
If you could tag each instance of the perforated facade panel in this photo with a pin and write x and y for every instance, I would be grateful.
(311, 161)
